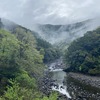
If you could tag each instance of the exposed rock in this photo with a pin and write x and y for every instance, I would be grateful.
(88, 80)
(83, 87)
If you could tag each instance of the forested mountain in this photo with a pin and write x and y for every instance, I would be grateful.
(21, 63)
(50, 52)
(63, 35)
(83, 55)
(24, 53)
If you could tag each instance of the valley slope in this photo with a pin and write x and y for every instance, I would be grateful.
(63, 35)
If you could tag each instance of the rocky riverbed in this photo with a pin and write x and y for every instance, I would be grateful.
(88, 80)
(53, 80)
(77, 86)
(83, 87)
(45, 83)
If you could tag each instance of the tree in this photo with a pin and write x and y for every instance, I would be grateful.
(9, 54)
(13, 92)
(83, 55)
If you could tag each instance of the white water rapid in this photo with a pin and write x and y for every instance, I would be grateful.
(58, 76)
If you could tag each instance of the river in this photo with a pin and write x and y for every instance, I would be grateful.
(69, 88)
(59, 75)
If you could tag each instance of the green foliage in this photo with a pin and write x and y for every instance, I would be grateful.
(31, 58)
(9, 52)
(43, 44)
(26, 81)
(15, 92)
(83, 55)
(1, 25)
(53, 96)
(21, 59)
(50, 53)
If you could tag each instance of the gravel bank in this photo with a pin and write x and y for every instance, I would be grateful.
(83, 87)
(88, 80)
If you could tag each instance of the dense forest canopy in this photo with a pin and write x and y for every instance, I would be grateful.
(83, 55)
(50, 52)
(21, 64)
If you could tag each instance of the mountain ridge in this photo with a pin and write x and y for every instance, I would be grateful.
(56, 34)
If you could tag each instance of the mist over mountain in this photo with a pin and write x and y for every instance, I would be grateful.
(50, 50)
(59, 34)
(56, 34)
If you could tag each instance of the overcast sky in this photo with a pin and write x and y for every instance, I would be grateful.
(28, 12)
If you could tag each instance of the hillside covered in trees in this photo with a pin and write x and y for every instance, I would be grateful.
(21, 64)
(83, 55)
(23, 55)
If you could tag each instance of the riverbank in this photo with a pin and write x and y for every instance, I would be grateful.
(85, 79)
(53, 80)
(83, 87)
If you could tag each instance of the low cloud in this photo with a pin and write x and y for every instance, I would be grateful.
(29, 12)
